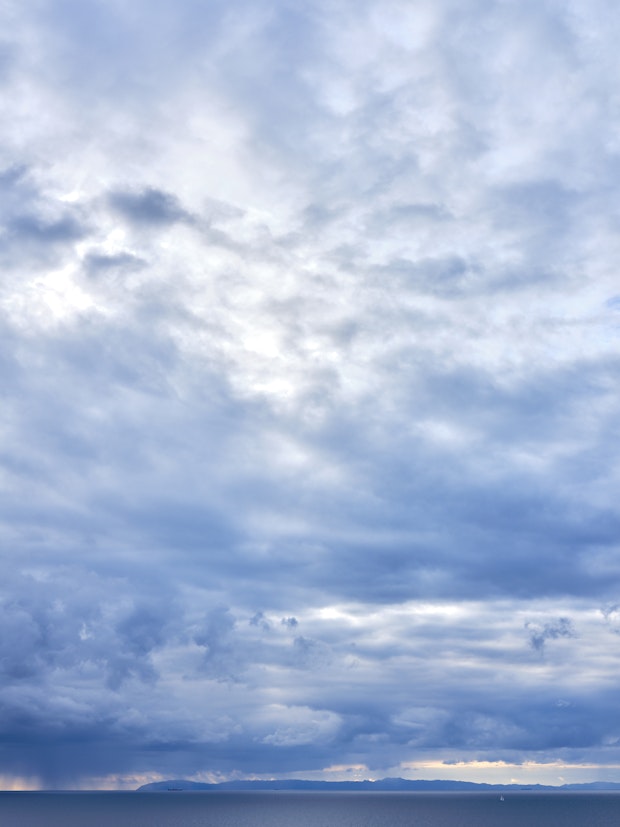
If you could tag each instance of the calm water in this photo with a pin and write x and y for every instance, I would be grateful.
(315, 809)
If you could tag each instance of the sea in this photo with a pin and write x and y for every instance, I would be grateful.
(309, 809)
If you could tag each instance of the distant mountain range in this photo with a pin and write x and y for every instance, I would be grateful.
(383, 784)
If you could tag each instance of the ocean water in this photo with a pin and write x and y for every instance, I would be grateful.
(309, 809)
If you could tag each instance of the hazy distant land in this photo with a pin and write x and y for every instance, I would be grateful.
(382, 784)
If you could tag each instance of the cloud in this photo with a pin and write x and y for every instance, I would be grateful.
(290, 622)
(97, 263)
(309, 422)
(150, 207)
(562, 627)
(215, 638)
(301, 725)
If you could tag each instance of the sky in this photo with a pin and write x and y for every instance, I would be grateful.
(309, 421)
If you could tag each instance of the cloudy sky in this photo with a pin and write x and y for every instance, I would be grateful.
(310, 319)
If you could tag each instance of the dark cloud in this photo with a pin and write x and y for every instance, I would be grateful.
(259, 620)
(30, 228)
(215, 637)
(539, 635)
(12, 176)
(101, 263)
(149, 207)
(290, 622)
(37, 230)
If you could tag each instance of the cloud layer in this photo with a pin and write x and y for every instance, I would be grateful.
(309, 370)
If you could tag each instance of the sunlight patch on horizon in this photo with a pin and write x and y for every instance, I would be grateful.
(16, 783)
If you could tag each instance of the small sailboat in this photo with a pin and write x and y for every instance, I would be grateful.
(501, 798)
